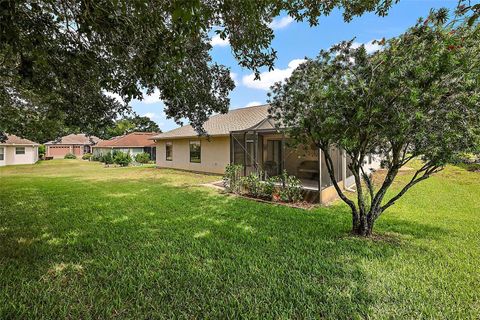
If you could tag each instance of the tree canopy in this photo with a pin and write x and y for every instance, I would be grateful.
(127, 125)
(416, 98)
(60, 58)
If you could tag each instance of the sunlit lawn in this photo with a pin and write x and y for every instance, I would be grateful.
(78, 240)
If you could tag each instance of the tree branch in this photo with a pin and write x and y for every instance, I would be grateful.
(331, 173)
(427, 171)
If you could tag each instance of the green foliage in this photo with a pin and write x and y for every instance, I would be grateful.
(418, 97)
(107, 158)
(87, 156)
(142, 157)
(96, 157)
(70, 156)
(468, 158)
(129, 125)
(287, 188)
(232, 178)
(60, 58)
(42, 150)
(123, 159)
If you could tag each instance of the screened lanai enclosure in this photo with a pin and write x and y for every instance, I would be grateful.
(265, 149)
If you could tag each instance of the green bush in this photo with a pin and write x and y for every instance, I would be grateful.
(87, 156)
(142, 157)
(288, 188)
(123, 159)
(42, 150)
(70, 156)
(232, 178)
(468, 158)
(96, 157)
(107, 158)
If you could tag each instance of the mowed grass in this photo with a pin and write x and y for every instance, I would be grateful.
(80, 241)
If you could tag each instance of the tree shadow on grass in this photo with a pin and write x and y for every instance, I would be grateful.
(101, 250)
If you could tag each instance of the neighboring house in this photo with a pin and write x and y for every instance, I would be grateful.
(133, 143)
(77, 144)
(16, 150)
(247, 136)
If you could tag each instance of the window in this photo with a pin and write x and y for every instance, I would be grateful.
(20, 150)
(195, 151)
(169, 151)
(2, 154)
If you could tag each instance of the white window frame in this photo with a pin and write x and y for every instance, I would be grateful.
(16, 151)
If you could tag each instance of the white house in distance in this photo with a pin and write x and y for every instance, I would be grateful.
(247, 136)
(132, 143)
(16, 150)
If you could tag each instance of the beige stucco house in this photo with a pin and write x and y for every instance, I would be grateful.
(16, 150)
(77, 144)
(248, 137)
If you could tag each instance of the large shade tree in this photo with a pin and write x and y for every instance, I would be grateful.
(59, 58)
(419, 97)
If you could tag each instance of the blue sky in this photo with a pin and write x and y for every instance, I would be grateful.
(295, 41)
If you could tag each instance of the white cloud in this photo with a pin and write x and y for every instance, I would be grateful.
(253, 103)
(234, 77)
(150, 115)
(152, 98)
(268, 78)
(370, 47)
(281, 23)
(114, 95)
(217, 41)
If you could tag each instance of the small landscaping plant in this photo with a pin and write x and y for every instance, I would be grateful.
(232, 178)
(96, 157)
(70, 156)
(123, 159)
(142, 158)
(284, 188)
(87, 156)
(107, 159)
(288, 188)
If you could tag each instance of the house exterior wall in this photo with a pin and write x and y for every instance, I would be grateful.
(97, 151)
(215, 154)
(60, 150)
(10, 158)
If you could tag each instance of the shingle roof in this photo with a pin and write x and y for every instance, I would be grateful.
(134, 139)
(15, 140)
(76, 139)
(222, 124)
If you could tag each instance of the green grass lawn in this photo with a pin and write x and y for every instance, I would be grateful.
(78, 240)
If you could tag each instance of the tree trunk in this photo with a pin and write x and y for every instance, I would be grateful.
(363, 226)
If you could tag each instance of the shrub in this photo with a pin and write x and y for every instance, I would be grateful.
(289, 188)
(41, 151)
(251, 184)
(96, 157)
(107, 158)
(467, 158)
(87, 156)
(142, 157)
(232, 178)
(123, 159)
(70, 156)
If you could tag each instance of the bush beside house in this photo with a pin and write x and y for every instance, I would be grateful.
(70, 156)
(142, 158)
(282, 188)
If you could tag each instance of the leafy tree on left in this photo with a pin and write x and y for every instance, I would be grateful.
(58, 59)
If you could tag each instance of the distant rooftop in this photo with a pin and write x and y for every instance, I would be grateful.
(80, 138)
(15, 140)
(222, 124)
(134, 139)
